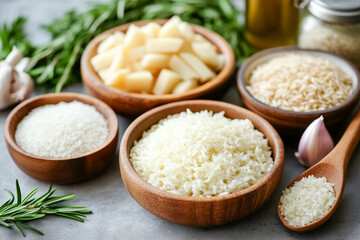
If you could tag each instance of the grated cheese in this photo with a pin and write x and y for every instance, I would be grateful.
(202, 154)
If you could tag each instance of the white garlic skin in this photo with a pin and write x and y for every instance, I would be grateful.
(15, 84)
(315, 143)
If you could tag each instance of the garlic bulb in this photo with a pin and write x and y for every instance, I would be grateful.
(315, 143)
(15, 84)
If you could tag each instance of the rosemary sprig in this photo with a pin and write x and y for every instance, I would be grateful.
(27, 209)
(13, 34)
(56, 64)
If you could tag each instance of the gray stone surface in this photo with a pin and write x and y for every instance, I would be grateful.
(117, 215)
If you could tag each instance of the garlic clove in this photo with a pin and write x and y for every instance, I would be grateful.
(14, 57)
(20, 67)
(15, 84)
(22, 87)
(315, 143)
(5, 85)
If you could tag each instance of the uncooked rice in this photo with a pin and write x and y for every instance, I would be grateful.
(300, 82)
(62, 130)
(202, 154)
(338, 39)
(307, 200)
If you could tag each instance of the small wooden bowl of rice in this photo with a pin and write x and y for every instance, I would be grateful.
(62, 138)
(201, 162)
(291, 87)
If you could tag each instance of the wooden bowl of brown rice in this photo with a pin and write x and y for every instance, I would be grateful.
(201, 162)
(290, 87)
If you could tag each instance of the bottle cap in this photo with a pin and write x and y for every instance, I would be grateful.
(335, 11)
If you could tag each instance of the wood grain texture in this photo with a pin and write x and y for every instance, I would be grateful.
(290, 122)
(134, 103)
(200, 211)
(333, 167)
(62, 170)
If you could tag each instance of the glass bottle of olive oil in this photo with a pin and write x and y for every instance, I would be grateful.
(271, 23)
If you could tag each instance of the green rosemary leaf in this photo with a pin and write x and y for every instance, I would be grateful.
(11, 210)
(18, 227)
(48, 211)
(8, 202)
(59, 199)
(5, 224)
(38, 201)
(71, 209)
(87, 211)
(29, 196)
(28, 217)
(70, 216)
(18, 192)
(30, 228)
(66, 75)
(78, 214)
(27, 212)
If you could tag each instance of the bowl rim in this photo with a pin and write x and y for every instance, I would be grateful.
(89, 76)
(124, 159)
(112, 118)
(241, 86)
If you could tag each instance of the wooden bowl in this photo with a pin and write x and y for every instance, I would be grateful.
(135, 103)
(291, 122)
(199, 211)
(62, 170)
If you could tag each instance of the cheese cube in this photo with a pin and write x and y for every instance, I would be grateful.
(185, 86)
(138, 82)
(104, 59)
(166, 82)
(103, 74)
(134, 37)
(110, 42)
(171, 28)
(198, 66)
(186, 31)
(151, 30)
(207, 53)
(136, 67)
(181, 68)
(155, 60)
(119, 61)
(163, 45)
(199, 38)
(135, 53)
(221, 64)
(186, 47)
(117, 79)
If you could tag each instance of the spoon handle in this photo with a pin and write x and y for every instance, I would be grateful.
(345, 147)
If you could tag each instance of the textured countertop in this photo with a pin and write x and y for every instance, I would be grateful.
(116, 215)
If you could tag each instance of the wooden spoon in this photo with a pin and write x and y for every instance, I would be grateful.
(333, 167)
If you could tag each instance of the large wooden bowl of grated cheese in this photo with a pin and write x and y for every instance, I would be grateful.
(62, 170)
(194, 210)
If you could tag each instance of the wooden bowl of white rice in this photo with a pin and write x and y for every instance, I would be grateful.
(291, 87)
(62, 138)
(201, 162)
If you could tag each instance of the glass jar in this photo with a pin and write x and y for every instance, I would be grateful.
(332, 26)
(271, 23)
